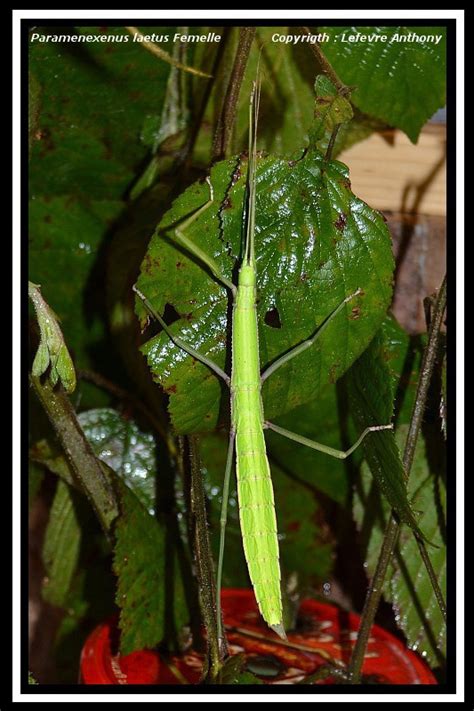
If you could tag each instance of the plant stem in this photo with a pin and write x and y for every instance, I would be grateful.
(87, 469)
(228, 112)
(161, 54)
(342, 88)
(392, 529)
(432, 576)
(372, 600)
(204, 563)
(331, 142)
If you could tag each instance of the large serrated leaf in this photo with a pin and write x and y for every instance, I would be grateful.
(316, 244)
(407, 585)
(150, 596)
(399, 80)
(61, 545)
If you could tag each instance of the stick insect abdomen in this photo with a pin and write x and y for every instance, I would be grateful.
(254, 484)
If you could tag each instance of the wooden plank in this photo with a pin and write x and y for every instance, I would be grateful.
(391, 173)
(419, 245)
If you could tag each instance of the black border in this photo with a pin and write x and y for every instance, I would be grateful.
(449, 687)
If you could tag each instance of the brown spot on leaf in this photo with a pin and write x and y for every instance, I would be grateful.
(346, 183)
(236, 175)
(355, 313)
(227, 204)
(333, 373)
(150, 264)
(171, 389)
(341, 222)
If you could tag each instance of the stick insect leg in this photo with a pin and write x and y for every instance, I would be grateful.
(193, 249)
(179, 341)
(301, 347)
(337, 453)
(223, 522)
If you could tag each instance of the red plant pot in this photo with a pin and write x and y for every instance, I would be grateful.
(326, 632)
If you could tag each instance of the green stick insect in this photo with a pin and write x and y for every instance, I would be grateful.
(254, 484)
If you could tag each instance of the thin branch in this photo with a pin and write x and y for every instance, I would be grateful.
(228, 112)
(161, 54)
(342, 88)
(392, 529)
(87, 469)
(204, 564)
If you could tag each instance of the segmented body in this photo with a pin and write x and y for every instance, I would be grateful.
(254, 484)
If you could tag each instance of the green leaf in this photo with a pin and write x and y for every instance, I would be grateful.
(34, 103)
(150, 593)
(93, 152)
(65, 239)
(287, 100)
(92, 101)
(31, 679)
(400, 81)
(316, 244)
(125, 448)
(372, 395)
(119, 443)
(407, 584)
(331, 108)
(50, 456)
(316, 472)
(61, 545)
(52, 351)
(233, 671)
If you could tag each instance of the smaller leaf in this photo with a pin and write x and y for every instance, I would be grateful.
(407, 584)
(119, 444)
(125, 448)
(44, 453)
(372, 395)
(400, 73)
(233, 672)
(61, 546)
(149, 594)
(52, 351)
(31, 679)
(331, 108)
